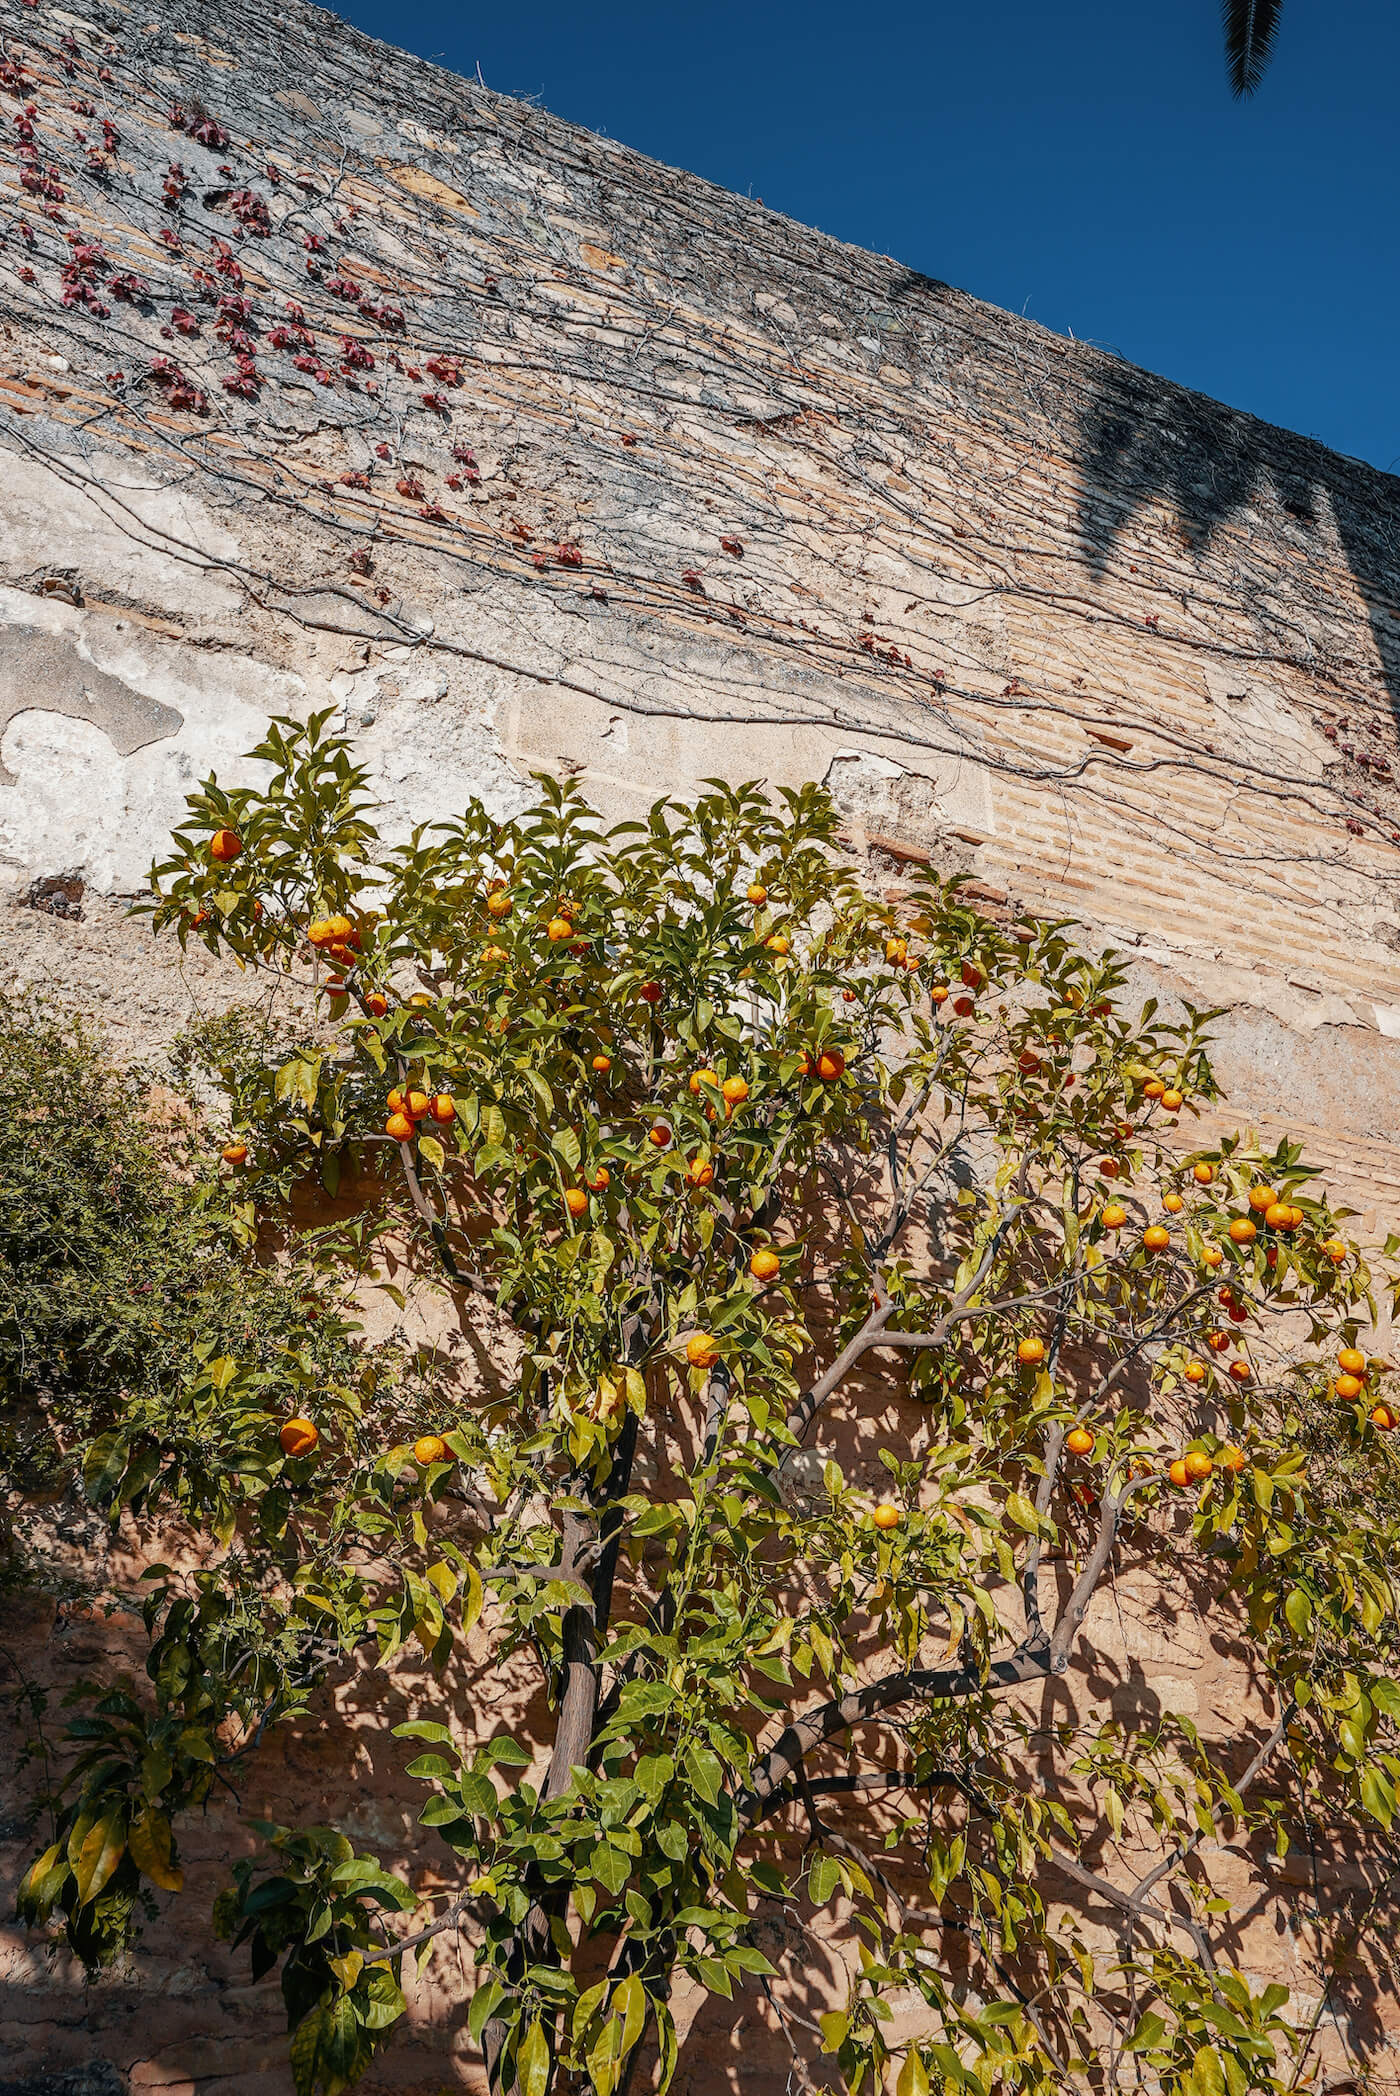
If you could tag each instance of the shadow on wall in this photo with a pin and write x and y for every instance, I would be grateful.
(1142, 440)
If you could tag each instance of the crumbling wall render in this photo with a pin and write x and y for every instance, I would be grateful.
(330, 379)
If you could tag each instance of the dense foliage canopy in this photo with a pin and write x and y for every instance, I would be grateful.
(846, 1302)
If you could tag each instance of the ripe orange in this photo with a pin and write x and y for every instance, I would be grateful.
(1079, 1441)
(1242, 1230)
(897, 952)
(757, 894)
(499, 904)
(1203, 1173)
(651, 993)
(1217, 1341)
(777, 944)
(887, 1515)
(602, 1064)
(698, 1077)
(429, 1448)
(421, 1001)
(1195, 1371)
(1178, 1473)
(972, 975)
(1109, 1168)
(495, 955)
(939, 994)
(299, 1437)
(701, 1350)
(1262, 1198)
(376, 1004)
(1385, 1417)
(333, 987)
(1347, 1387)
(415, 1105)
(400, 1127)
(395, 1101)
(1232, 1459)
(234, 1153)
(1114, 1217)
(848, 996)
(1031, 1352)
(444, 1107)
(559, 928)
(764, 1264)
(1155, 1238)
(1211, 1255)
(964, 1006)
(576, 1201)
(224, 846)
(1335, 1249)
(699, 1172)
(1198, 1464)
(1240, 1370)
(1171, 1102)
(1153, 1089)
(831, 1064)
(735, 1090)
(1278, 1216)
(599, 1180)
(1173, 1203)
(1352, 1360)
(660, 1134)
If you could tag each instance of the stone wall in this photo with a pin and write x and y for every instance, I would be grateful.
(328, 379)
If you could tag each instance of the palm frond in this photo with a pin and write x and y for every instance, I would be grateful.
(1250, 27)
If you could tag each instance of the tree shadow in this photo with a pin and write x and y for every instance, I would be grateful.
(1142, 441)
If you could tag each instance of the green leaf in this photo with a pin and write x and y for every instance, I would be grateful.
(913, 2077)
(99, 1853)
(1022, 1512)
(706, 1773)
(1298, 1609)
(483, 2007)
(532, 2061)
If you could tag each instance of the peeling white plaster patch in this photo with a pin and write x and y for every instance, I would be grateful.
(888, 799)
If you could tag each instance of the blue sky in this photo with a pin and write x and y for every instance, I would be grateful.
(1082, 162)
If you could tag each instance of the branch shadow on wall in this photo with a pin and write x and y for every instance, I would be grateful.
(1142, 442)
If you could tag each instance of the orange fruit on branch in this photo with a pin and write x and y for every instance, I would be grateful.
(429, 1448)
(1195, 1371)
(576, 1201)
(1155, 1238)
(887, 1515)
(376, 1004)
(699, 1077)
(735, 1090)
(701, 1350)
(831, 1064)
(1153, 1089)
(225, 846)
(1385, 1418)
(764, 1264)
(1242, 1230)
(1335, 1249)
(1262, 1198)
(1203, 1173)
(234, 1153)
(1178, 1473)
(416, 1105)
(299, 1437)
(499, 904)
(699, 1172)
(1079, 1441)
(650, 993)
(1232, 1459)
(1347, 1387)
(777, 944)
(1114, 1216)
(1352, 1361)
(659, 1134)
(400, 1127)
(599, 1180)
(757, 894)
(1172, 1102)
(1031, 1352)
(444, 1107)
(897, 952)
(1198, 1464)
(1241, 1371)
(559, 928)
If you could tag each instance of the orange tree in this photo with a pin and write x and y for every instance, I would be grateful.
(848, 1301)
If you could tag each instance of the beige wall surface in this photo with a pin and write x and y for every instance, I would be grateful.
(330, 379)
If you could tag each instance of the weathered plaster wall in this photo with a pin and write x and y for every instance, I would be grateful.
(574, 461)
